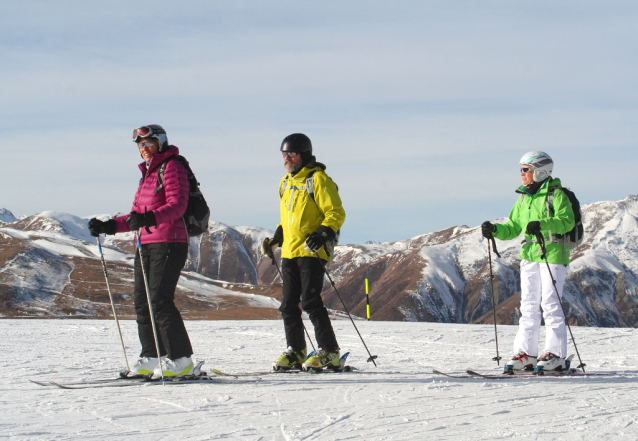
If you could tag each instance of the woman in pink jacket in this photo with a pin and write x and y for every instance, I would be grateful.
(157, 217)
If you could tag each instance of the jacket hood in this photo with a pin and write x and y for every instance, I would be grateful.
(307, 168)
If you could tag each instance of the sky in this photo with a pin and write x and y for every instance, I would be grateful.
(420, 110)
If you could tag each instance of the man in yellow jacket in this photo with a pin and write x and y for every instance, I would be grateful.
(311, 217)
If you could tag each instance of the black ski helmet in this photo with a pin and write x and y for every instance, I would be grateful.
(297, 142)
(152, 131)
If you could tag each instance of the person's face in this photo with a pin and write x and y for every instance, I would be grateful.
(292, 163)
(527, 176)
(148, 148)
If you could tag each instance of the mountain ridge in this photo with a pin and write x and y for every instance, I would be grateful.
(441, 276)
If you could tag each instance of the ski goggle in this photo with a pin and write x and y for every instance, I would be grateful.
(526, 169)
(142, 132)
(290, 154)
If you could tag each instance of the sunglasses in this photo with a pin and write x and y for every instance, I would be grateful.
(526, 169)
(147, 144)
(290, 154)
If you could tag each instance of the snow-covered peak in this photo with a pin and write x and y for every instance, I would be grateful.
(57, 222)
(6, 216)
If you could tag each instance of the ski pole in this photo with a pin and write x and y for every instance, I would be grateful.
(274, 262)
(541, 242)
(150, 306)
(489, 256)
(108, 287)
(372, 357)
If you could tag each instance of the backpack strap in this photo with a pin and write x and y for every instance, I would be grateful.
(549, 204)
(550, 209)
(550, 200)
(160, 174)
(309, 187)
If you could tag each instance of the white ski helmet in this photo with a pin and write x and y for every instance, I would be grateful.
(542, 163)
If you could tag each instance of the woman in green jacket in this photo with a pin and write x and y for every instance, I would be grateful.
(533, 214)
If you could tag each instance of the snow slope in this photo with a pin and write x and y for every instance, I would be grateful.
(399, 400)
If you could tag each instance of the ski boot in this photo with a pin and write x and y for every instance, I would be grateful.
(144, 366)
(174, 368)
(550, 362)
(322, 359)
(290, 359)
(520, 362)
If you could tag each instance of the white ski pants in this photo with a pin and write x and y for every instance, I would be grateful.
(537, 291)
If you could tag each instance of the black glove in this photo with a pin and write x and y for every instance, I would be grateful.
(487, 228)
(268, 244)
(533, 228)
(316, 240)
(141, 220)
(278, 238)
(97, 227)
(326, 233)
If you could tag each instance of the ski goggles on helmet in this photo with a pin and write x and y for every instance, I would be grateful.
(146, 131)
(290, 154)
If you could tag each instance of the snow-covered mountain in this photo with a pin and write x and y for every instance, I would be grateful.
(444, 276)
(6, 216)
(49, 265)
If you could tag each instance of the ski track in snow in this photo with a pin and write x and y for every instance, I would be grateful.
(376, 404)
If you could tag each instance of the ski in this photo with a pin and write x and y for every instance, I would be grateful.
(522, 374)
(341, 369)
(99, 381)
(203, 379)
(450, 375)
(565, 373)
(124, 378)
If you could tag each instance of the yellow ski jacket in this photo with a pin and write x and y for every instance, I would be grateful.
(300, 216)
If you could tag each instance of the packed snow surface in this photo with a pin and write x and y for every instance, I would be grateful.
(401, 399)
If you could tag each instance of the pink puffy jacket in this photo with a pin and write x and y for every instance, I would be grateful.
(168, 204)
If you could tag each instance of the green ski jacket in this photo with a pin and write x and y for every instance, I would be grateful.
(534, 208)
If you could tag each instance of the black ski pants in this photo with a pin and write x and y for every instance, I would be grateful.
(303, 281)
(163, 263)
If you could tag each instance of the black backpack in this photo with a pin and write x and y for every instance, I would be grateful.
(574, 237)
(197, 212)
